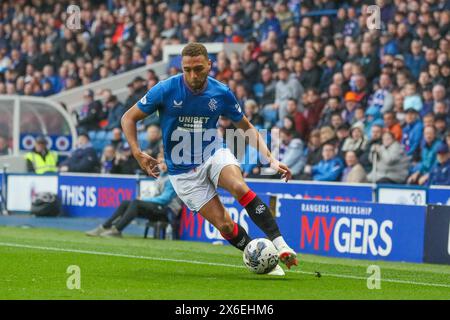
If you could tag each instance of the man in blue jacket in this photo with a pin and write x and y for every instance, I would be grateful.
(330, 167)
(428, 154)
(153, 208)
(440, 173)
(412, 132)
(83, 158)
(271, 23)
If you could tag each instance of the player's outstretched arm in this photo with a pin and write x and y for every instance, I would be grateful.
(257, 142)
(128, 122)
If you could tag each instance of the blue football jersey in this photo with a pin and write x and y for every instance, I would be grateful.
(187, 119)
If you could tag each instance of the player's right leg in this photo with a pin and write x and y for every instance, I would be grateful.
(217, 215)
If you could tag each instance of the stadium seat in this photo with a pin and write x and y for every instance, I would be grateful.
(159, 226)
(92, 135)
(258, 90)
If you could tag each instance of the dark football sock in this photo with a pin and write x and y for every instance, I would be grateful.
(238, 238)
(261, 215)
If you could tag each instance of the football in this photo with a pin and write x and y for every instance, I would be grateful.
(260, 256)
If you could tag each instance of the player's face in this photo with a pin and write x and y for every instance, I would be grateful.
(195, 70)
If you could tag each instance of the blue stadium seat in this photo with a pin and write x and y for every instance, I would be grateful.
(91, 135)
(258, 90)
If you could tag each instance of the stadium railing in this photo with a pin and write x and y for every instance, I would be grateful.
(117, 84)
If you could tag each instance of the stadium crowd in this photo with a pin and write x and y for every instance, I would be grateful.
(342, 102)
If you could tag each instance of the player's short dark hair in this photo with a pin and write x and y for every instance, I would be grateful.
(194, 49)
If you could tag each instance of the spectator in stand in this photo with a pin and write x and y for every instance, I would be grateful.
(440, 172)
(415, 61)
(369, 61)
(107, 161)
(342, 133)
(357, 141)
(251, 112)
(392, 125)
(373, 116)
(428, 120)
(267, 85)
(117, 139)
(271, 23)
(83, 158)
(440, 108)
(331, 67)
(354, 171)
(358, 85)
(388, 45)
(440, 123)
(125, 163)
(412, 133)
(429, 146)
(427, 99)
(332, 106)
(90, 113)
(154, 140)
(368, 152)
(412, 98)
(330, 168)
(55, 80)
(301, 125)
(328, 135)
(390, 162)
(314, 148)
(313, 107)
(351, 103)
(115, 111)
(287, 87)
(382, 97)
(294, 156)
(310, 77)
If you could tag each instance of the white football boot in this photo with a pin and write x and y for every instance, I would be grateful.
(277, 271)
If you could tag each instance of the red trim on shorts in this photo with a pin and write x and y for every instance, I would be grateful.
(247, 198)
(232, 235)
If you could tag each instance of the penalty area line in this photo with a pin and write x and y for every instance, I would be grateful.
(121, 255)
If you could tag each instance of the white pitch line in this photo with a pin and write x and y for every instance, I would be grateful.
(111, 254)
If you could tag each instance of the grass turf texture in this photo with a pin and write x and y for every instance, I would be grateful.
(33, 264)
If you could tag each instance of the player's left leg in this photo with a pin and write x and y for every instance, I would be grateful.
(217, 215)
(231, 179)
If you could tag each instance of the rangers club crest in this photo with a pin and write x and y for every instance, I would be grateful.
(212, 104)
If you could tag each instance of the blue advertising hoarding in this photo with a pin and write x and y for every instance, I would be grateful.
(439, 195)
(311, 190)
(94, 196)
(354, 230)
(194, 227)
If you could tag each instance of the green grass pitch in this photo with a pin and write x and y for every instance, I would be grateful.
(34, 262)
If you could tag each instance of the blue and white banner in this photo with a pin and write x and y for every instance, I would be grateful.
(313, 190)
(354, 230)
(439, 195)
(54, 142)
(94, 196)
